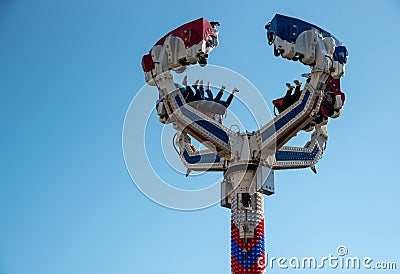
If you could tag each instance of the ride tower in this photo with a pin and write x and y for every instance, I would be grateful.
(248, 159)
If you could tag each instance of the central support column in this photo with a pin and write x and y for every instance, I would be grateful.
(247, 236)
(247, 221)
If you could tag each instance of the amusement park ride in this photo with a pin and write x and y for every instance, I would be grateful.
(243, 157)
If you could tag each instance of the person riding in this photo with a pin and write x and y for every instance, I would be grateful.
(186, 91)
(203, 99)
(221, 105)
(290, 98)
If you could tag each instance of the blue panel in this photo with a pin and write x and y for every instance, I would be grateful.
(178, 101)
(209, 127)
(282, 155)
(340, 54)
(247, 259)
(208, 158)
(268, 132)
(289, 28)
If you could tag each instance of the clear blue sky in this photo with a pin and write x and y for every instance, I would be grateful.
(68, 71)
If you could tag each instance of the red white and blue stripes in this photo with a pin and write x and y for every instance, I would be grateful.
(247, 237)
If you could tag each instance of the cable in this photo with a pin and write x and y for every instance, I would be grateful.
(173, 143)
(332, 69)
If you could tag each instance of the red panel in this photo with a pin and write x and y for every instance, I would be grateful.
(147, 63)
(194, 32)
(334, 84)
(191, 33)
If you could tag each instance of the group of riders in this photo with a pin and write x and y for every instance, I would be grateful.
(202, 99)
(329, 103)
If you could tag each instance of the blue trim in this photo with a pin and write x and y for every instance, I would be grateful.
(252, 256)
(284, 155)
(289, 28)
(269, 131)
(201, 159)
(178, 100)
(209, 127)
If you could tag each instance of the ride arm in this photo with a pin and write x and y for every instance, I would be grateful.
(295, 157)
(198, 160)
(300, 41)
(183, 46)
(287, 124)
(186, 118)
